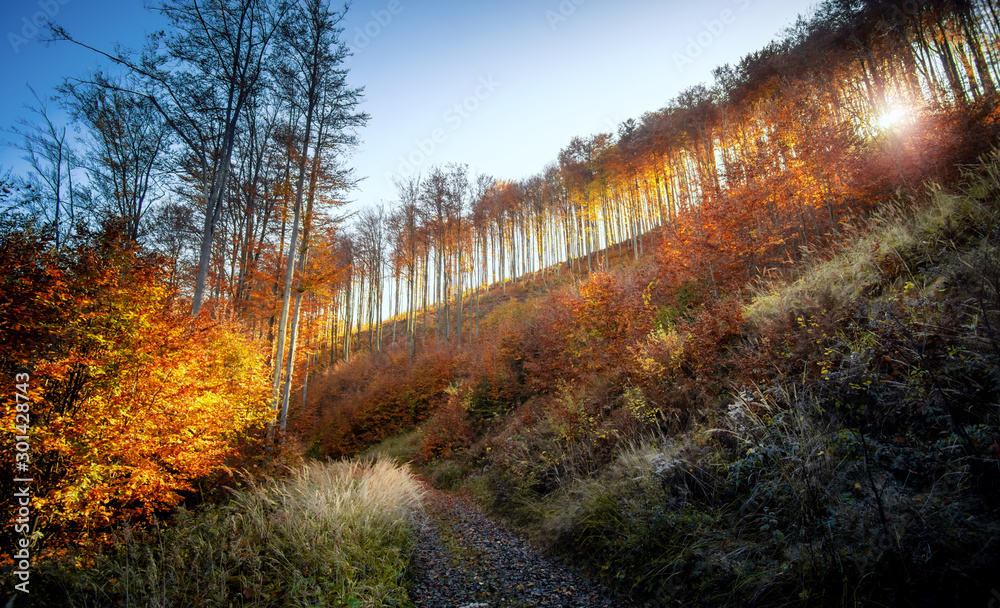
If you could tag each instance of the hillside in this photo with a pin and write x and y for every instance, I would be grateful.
(827, 437)
(824, 438)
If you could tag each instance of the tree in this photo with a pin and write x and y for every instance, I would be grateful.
(408, 193)
(132, 401)
(128, 139)
(311, 77)
(199, 75)
(213, 62)
(52, 161)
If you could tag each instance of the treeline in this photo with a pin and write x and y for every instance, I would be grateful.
(738, 176)
(726, 184)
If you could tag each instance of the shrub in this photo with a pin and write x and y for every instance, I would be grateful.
(448, 430)
(132, 402)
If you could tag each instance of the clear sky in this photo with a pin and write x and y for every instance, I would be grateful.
(502, 86)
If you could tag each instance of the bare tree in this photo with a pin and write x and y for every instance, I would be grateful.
(127, 138)
(47, 151)
(199, 75)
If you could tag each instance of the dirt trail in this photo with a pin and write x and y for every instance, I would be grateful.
(466, 560)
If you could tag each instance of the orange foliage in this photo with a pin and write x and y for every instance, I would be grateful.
(715, 327)
(132, 401)
(368, 399)
(448, 430)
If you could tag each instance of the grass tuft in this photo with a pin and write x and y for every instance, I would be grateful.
(330, 535)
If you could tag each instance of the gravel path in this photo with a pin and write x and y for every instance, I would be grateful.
(465, 560)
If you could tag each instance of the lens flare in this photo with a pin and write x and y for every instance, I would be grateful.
(893, 118)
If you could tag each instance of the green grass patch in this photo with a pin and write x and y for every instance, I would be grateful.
(400, 449)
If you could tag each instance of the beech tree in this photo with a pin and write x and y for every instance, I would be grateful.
(312, 79)
(127, 142)
(49, 187)
(200, 75)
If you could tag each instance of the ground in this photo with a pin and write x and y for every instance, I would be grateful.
(464, 559)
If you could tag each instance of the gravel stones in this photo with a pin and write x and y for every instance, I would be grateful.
(466, 560)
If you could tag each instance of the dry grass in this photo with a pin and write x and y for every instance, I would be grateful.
(330, 535)
(900, 237)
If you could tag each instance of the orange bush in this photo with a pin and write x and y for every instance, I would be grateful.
(448, 430)
(131, 400)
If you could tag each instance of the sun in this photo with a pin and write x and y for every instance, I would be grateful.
(893, 118)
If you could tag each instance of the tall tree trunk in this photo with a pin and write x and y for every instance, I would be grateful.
(291, 362)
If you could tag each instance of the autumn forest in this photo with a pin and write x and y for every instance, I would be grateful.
(740, 351)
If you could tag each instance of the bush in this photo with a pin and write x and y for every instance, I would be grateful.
(132, 401)
(448, 430)
(362, 402)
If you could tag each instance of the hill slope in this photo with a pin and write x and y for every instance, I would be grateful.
(829, 440)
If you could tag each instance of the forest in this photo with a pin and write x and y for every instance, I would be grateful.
(742, 351)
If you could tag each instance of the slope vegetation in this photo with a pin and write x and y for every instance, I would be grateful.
(829, 437)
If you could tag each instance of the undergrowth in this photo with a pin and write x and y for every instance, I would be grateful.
(330, 535)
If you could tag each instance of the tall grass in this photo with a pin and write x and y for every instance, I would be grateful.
(330, 535)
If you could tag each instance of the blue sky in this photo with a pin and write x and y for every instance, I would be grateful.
(502, 86)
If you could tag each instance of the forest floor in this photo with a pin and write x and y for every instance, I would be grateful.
(464, 559)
